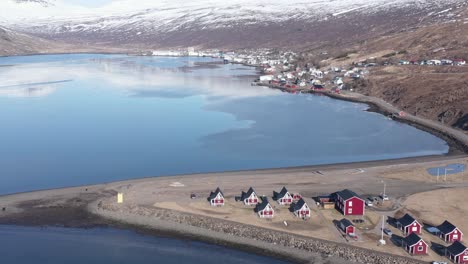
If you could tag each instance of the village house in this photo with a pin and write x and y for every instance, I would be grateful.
(249, 197)
(283, 197)
(266, 78)
(449, 233)
(349, 203)
(301, 209)
(216, 198)
(346, 226)
(457, 253)
(415, 245)
(408, 225)
(296, 197)
(264, 209)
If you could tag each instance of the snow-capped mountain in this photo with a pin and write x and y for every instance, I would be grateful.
(235, 23)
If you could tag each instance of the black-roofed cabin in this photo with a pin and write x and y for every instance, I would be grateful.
(415, 245)
(349, 203)
(216, 198)
(458, 253)
(283, 197)
(264, 209)
(249, 197)
(449, 232)
(347, 227)
(409, 225)
(301, 209)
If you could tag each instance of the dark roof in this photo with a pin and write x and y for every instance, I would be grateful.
(411, 239)
(281, 194)
(346, 222)
(406, 220)
(247, 194)
(456, 248)
(262, 205)
(347, 194)
(446, 227)
(299, 204)
(215, 193)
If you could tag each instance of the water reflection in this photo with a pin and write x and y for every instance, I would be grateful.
(125, 117)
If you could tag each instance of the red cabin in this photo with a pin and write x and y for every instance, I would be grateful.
(415, 245)
(449, 232)
(347, 227)
(457, 253)
(350, 203)
(409, 225)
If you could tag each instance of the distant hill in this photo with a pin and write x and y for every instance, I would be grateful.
(238, 23)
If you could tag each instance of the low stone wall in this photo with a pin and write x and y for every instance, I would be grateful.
(325, 248)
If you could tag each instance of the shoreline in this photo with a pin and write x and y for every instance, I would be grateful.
(457, 140)
(94, 206)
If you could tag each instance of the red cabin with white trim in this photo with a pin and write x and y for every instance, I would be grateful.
(415, 245)
(349, 203)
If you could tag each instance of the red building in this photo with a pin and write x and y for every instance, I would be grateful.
(346, 226)
(449, 232)
(409, 225)
(457, 253)
(415, 245)
(349, 203)
(216, 198)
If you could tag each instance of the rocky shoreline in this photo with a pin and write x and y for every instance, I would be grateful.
(245, 237)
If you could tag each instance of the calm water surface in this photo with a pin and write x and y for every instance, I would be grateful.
(82, 119)
(20, 245)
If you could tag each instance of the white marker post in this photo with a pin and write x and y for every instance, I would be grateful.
(120, 198)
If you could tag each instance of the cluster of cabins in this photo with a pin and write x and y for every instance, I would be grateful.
(346, 201)
(350, 204)
(415, 245)
(262, 206)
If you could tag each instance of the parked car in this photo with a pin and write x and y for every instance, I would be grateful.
(387, 231)
(384, 197)
(369, 202)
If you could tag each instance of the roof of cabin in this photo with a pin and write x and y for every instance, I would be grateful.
(347, 194)
(281, 194)
(456, 248)
(411, 239)
(261, 206)
(215, 193)
(406, 220)
(247, 194)
(299, 204)
(446, 227)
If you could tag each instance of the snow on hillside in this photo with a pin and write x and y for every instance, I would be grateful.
(172, 14)
(181, 22)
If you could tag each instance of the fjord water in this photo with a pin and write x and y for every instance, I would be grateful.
(24, 245)
(82, 119)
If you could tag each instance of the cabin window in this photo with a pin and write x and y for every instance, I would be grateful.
(350, 210)
(465, 258)
(289, 201)
(455, 236)
(414, 229)
(420, 248)
(350, 203)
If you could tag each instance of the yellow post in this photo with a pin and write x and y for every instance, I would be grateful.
(120, 198)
